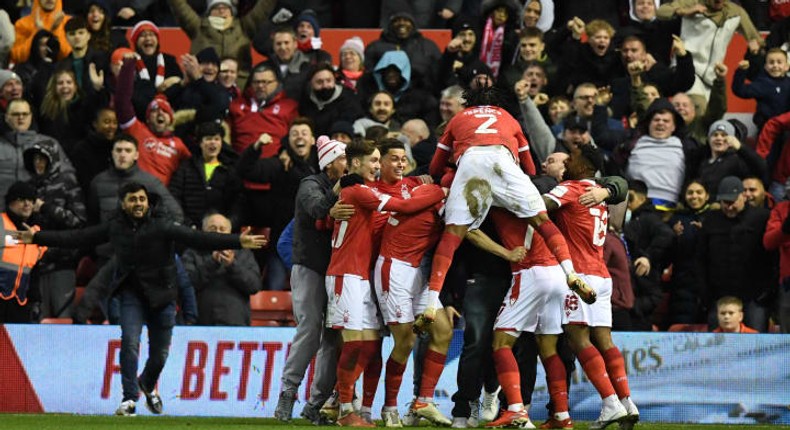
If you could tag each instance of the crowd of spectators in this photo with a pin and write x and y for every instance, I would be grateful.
(86, 110)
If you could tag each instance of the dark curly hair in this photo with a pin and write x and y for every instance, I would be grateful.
(487, 96)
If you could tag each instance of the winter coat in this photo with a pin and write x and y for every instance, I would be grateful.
(91, 157)
(223, 293)
(25, 28)
(63, 208)
(741, 163)
(285, 183)
(232, 42)
(423, 53)
(312, 247)
(197, 196)
(731, 258)
(772, 94)
(145, 249)
(685, 289)
(12, 168)
(344, 105)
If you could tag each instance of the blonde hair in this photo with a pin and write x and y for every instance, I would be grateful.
(52, 106)
(597, 25)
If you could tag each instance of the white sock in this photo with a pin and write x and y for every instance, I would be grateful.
(559, 416)
(567, 267)
(515, 407)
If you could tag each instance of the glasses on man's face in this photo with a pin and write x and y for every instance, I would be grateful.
(19, 114)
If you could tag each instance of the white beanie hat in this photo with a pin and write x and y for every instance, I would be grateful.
(7, 75)
(355, 44)
(329, 150)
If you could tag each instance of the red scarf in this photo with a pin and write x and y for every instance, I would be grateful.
(142, 71)
(351, 78)
(491, 48)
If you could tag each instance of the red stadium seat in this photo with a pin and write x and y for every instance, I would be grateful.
(57, 321)
(272, 307)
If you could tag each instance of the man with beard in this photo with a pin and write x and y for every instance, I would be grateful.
(326, 102)
(160, 150)
(143, 240)
(381, 109)
(393, 73)
(296, 160)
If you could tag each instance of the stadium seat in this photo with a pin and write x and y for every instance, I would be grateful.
(86, 270)
(272, 307)
(57, 321)
(689, 327)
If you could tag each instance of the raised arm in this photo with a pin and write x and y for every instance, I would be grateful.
(186, 17)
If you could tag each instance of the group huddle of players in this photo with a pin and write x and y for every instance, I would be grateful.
(560, 281)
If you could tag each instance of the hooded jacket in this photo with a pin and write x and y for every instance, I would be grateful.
(63, 208)
(26, 28)
(423, 53)
(12, 147)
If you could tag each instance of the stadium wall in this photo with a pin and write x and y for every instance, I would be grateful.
(235, 372)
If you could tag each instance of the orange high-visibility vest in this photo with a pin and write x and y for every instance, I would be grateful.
(16, 261)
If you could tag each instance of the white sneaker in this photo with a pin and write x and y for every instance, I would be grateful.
(611, 412)
(430, 412)
(127, 409)
(527, 425)
(474, 416)
(391, 417)
(411, 419)
(632, 418)
(490, 408)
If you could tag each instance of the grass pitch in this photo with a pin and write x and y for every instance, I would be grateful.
(104, 422)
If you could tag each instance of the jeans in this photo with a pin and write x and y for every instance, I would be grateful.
(134, 313)
(484, 296)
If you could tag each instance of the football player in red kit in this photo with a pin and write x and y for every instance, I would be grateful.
(589, 325)
(403, 293)
(351, 308)
(494, 162)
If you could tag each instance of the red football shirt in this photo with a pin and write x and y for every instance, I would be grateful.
(400, 190)
(159, 156)
(408, 236)
(352, 239)
(514, 231)
(584, 228)
(482, 126)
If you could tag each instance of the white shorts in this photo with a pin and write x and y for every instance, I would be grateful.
(534, 301)
(487, 176)
(350, 304)
(598, 314)
(401, 289)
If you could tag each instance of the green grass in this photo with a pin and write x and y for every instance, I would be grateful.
(88, 422)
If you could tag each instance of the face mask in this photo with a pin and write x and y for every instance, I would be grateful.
(218, 22)
(324, 94)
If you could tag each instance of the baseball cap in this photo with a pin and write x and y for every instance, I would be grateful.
(729, 189)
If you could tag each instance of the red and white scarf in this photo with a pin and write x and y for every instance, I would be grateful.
(143, 73)
(491, 48)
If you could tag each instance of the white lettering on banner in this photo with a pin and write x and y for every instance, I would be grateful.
(235, 372)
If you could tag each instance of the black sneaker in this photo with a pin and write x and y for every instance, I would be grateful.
(152, 400)
(312, 413)
(285, 406)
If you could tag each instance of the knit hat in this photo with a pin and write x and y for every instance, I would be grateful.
(118, 54)
(20, 191)
(7, 75)
(309, 16)
(103, 4)
(471, 70)
(355, 44)
(208, 55)
(212, 3)
(722, 125)
(329, 150)
(729, 189)
(159, 102)
(141, 27)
